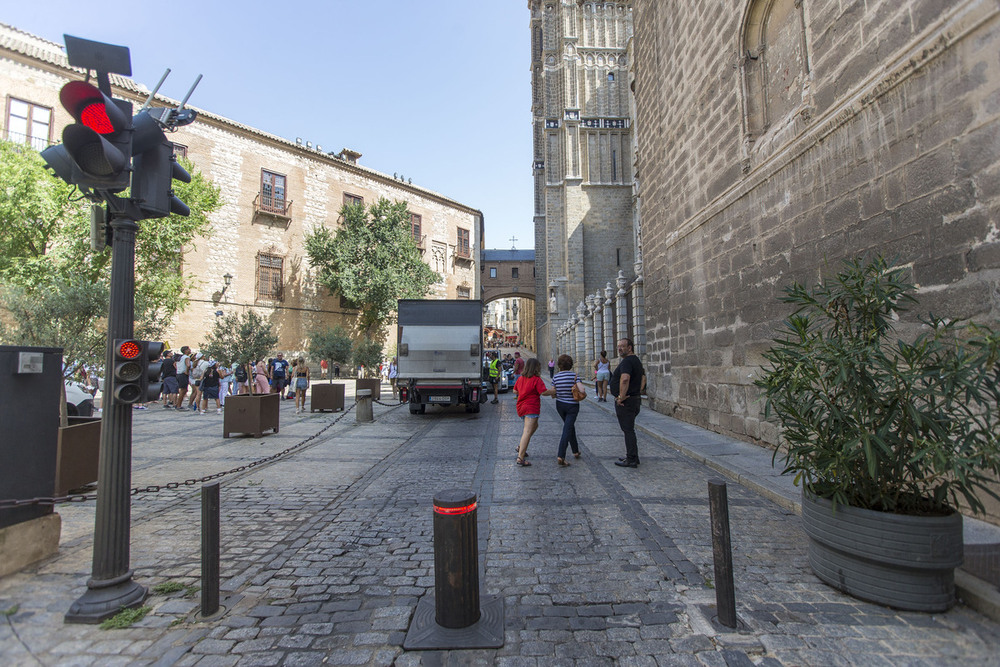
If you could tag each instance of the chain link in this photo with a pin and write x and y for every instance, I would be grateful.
(155, 488)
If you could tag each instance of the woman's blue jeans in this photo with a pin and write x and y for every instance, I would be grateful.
(568, 412)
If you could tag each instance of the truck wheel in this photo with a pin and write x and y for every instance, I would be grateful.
(475, 407)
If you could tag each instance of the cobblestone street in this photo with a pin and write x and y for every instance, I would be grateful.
(326, 553)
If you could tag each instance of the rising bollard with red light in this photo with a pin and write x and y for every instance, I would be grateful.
(455, 618)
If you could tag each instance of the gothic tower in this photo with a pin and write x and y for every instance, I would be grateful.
(583, 150)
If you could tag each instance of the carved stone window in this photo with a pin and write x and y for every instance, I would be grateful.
(775, 63)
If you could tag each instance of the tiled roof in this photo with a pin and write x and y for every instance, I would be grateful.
(509, 255)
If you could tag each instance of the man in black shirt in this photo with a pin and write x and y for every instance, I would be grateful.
(168, 374)
(626, 385)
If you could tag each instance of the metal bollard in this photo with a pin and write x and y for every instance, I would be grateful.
(210, 548)
(364, 412)
(725, 590)
(456, 559)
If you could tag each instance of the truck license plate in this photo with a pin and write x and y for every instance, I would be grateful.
(440, 399)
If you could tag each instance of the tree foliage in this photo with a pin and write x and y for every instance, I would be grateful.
(368, 353)
(372, 261)
(46, 232)
(240, 338)
(333, 344)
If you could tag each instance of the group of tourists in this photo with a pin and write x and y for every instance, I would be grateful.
(198, 379)
(625, 383)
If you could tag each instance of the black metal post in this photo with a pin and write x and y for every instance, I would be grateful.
(725, 590)
(456, 559)
(110, 587)
(210, 543)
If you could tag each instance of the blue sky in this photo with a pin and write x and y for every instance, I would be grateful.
(439, 91)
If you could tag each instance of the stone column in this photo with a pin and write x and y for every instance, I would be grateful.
(581, 331)
(639, 311)
(609, 318)
(598, 306)
(621, 308)
(588, 335)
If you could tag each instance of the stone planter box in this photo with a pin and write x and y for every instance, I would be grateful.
(326, 397)
(898, 560)
(78, 449)
(375, 384)
(251, 414)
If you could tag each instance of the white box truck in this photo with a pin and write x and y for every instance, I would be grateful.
(439, 353)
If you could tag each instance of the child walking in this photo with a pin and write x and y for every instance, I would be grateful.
(529, 389)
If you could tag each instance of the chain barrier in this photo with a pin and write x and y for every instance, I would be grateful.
(155, 488)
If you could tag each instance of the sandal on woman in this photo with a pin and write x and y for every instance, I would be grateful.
(561, 462)
(576, 455)
(516, 450)
(522, 462)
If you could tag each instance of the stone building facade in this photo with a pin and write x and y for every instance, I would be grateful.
(585, 213)
(779, 137)
(274, 192)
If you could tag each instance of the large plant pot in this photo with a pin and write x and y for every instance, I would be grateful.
(78, 449)
(253, 414)
(374, 384)
(326, 397)
(901, 561)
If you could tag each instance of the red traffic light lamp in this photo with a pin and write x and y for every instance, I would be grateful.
(100, 142)
(128, 371)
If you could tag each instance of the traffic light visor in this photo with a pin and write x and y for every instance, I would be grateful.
(89, 106)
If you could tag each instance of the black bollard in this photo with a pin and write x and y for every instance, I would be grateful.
(456, 559)
(725, 590)
(210, 548)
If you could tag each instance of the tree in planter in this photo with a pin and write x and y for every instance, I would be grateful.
(368, 353)
(240, 339)
(372, 261)
(333, 344)
(876, 422)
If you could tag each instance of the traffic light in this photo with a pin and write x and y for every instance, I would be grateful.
(128, 370)
(137, 370)
(154, 171)
(97, 148)
(153, 354)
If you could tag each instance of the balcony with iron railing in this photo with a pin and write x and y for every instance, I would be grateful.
(275, 207)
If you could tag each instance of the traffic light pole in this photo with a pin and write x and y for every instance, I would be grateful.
(111, 587)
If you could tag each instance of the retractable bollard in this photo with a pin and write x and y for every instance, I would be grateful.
(364, 413)
(456, 559)
(210, 542)
(456, 619)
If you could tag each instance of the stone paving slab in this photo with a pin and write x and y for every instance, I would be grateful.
(326, 554)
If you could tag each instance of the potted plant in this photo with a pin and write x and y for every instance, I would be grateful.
(244, 340)
(333, 344)
(888, 437)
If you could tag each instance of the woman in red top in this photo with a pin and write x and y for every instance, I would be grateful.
(529, 390)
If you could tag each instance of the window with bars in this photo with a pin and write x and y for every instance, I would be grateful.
(269, 277)
(180, 150)
(464, 292)
(415, 227)
(513, 273)
(272, 192)
(28, 123)
(351, 200)
(464, 248)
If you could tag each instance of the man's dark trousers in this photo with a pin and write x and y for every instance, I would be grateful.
(626, 420)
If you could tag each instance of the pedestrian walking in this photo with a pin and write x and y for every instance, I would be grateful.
(529, 389)
(393, 375)
(279, 373)
(183, 369)
(519, 365)
(567, 406)
(225, 383)
(626, 387)
(168, 375)
(301, 375)
(242, 377)
(199, 364)
(336, 369)
(261, 385)
(602, 375)
(210, 388)
(552, 369)
(495, 376)
(323, 367)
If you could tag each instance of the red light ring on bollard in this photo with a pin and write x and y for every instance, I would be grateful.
(455, 510)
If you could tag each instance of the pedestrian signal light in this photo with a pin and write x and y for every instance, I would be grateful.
(100, 142)
(128, 371)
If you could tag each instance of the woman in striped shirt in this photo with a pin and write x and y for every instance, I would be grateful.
(566, 406)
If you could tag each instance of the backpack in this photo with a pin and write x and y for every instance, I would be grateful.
(241, 373)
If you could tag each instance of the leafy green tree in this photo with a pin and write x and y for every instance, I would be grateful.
(368, 353)
(240, 339)
(372, 261)
(46, 232)
(332, 344)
